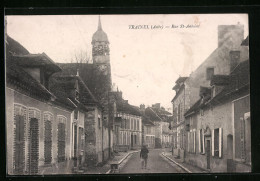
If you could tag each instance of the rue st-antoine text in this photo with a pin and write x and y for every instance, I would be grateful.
(152, 27)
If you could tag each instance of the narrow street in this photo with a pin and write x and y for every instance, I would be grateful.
(156, 164)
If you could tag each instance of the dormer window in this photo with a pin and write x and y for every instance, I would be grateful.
(209, 73)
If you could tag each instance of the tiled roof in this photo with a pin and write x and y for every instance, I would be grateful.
(14, 47)
(180, 79)
(147, 121)
(16, 75)
(219, 80)
(63, 85)
(127, 108)
(157, 114)
(245, 42)
(36, 60)
(90, 74)
(239, 81)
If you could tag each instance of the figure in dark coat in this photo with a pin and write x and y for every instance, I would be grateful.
(144, 156)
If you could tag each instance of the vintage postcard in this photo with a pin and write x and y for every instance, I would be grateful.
(109, 94)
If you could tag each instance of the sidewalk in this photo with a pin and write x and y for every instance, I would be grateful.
(105, 169)
(66, 166)
(187, 167)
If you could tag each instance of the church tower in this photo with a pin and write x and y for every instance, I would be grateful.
(100, 50)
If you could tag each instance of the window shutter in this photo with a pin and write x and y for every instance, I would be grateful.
(194, 141)
(212, 140)
(203, 141)
(199, 141)
(220, 142)
(188, 142)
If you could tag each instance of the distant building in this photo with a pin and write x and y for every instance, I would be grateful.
(128, 125)
(159, 116)
(148, 129)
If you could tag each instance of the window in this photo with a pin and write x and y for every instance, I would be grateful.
(178, 113)
(201, 141)
(217, 142)
(192, 141)
(138, 125)
(182, 140)
(210, 73)
(99, 121)
(128, 124)
(76, 114)
(201, 112)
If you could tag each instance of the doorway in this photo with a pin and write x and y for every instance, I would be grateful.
(230, 162)
(208, 153)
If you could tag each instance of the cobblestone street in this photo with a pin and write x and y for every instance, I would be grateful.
(156, 164)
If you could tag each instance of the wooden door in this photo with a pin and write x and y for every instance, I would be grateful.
(19, 144)
(33, 146)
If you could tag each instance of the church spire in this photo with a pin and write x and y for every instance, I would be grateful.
(99, 23)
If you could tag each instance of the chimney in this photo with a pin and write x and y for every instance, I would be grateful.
(230, 35)
(156, 105)
(142, 108)
(234, 59)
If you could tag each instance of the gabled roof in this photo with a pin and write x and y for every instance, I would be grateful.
(97, 83)
(157, 114)
(124, 107)
(147, 121)
(14, 47)
(16, 75)
(63, 85)
(239, 81)
(37, 60)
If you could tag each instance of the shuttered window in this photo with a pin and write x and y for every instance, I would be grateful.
(48, 119)
(61, 138)
(20, 116)
(217, 142)
(33, 139)
(201, 141)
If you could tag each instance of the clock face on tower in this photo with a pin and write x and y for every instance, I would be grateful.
(103, 68)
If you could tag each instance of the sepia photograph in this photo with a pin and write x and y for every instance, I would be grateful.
(127, 94)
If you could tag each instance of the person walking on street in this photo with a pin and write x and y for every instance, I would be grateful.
(144, 156)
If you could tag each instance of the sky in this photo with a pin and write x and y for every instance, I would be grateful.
(145, 62)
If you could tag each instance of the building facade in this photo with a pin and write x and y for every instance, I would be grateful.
(38, 124)
(128, 129)
(219, 62)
